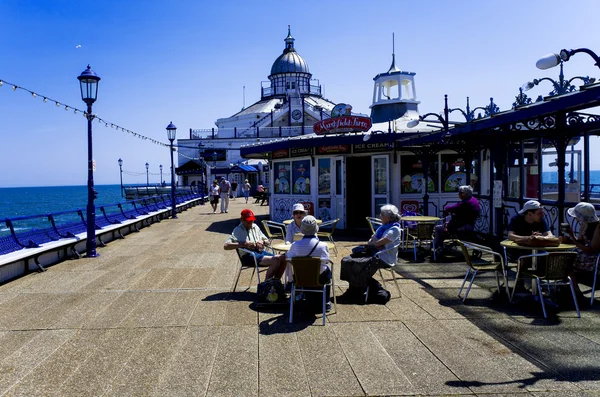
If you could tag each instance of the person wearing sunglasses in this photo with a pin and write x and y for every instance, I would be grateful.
(298, 213)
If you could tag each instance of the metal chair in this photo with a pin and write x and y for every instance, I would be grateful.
(374, 223)
(306, 279)
(551, 269)
(496, 265)
(594, 282)
(390, 269)
(423, 233)
(274, 230)
(328, 232)
(255, 268)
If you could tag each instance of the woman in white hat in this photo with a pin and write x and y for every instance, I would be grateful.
(588, 238)
(298, 213)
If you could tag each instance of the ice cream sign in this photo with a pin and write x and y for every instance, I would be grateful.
(342, 121)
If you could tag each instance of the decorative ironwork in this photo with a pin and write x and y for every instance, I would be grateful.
(482, 224)
(521, 99)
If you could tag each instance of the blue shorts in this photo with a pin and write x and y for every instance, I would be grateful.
(248, 261)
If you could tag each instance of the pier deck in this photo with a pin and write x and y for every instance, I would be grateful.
(154, 316)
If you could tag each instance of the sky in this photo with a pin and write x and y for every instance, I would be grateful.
(187, 62)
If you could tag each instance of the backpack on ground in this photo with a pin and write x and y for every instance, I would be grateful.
(377, 294)
(271, 291)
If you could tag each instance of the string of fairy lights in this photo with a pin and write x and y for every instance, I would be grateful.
(106, 123)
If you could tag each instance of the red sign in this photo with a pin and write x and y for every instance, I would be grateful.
(280, 154)
(333, 149)
(309, 207)
(342, 124)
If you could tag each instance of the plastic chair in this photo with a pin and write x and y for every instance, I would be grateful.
(329, 232)
(374, 223)
(274, 230)
(594, 283)
(481, 266)
(390, 269)
(241, 252)
(423, 233)
(306, 279)
(552, 269)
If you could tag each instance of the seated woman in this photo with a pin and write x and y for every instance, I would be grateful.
(310, 245)
(387, 235)
(298, 213)
(587, 241)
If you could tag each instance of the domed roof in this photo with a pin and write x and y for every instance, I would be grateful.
(290, 61)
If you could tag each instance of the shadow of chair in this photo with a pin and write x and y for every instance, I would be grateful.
(390, 269)
(274, 230)
(329, 227)
(306, 279)
(374, 223)
(478, 266)
(422, 233)
(255, 268)
(551, 270)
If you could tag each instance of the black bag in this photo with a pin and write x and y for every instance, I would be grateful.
(358, 271)
(271, 291)
(362, 251)
(377, 294)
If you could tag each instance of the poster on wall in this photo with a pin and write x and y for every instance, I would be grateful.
(301, 176)
(454, 181)
(324, 176)
(414, 183)
(497, 194)
(324, 211)
(282, 178)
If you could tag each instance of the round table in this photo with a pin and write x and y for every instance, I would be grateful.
(288, 221)
(284, 247)
(419, 218)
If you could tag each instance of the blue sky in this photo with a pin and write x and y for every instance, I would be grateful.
(187, 61)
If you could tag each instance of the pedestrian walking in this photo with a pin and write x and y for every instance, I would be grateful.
(224, 189)
(234, 186)
(214, 196)
(246, 189)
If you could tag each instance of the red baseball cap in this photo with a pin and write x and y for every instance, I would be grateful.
(248, 215)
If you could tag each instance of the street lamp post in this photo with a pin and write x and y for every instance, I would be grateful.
(120, 161)
(171, 134)
(201, 158)
(88, 83)
(147, 177)
(552, 60)
(161, 180)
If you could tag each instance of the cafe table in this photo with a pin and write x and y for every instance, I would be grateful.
(285, 247)
(534, 250)
(419, 218)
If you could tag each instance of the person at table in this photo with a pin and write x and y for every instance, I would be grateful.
(298, 214)
(310, 245)
(463, 216)
(587, 241)
(249, 236)
(528, 222)
(387, 235)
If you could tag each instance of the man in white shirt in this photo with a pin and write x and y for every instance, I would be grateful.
(310, 245)
(249, 236)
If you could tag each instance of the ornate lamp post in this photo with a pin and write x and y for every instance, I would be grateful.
(160, 168)
(440, 118)
(88, 83)
(120, 161)
(551, 60)
(171, 134)
(147, 178)
(561, 86)
(201, 158)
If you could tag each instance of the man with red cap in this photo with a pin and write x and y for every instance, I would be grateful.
(249, 236)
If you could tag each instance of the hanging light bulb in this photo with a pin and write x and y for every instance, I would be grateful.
(75, 111)
(33, 94)
(45, 99)
(66, 108)
(106, 125)
(57, 104)
(1, 82)
(14, 87)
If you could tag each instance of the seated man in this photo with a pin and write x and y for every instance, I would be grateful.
(464, 214)
(249, 236)
(310, 245)
(528, 222)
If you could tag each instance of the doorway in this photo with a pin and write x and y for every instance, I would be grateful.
(358, 197)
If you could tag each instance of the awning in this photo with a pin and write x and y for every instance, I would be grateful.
(243, 168)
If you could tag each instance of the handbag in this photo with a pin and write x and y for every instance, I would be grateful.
(358, 270)
(363, 250)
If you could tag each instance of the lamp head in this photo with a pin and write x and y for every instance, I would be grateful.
(160, 166)
(120, 162)
(171, 131)
(550, 61)
(527, 86)
(412, 123)
(147, 166)
(88, 83)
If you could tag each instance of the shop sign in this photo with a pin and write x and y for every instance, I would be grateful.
(281, 154)
(371, 147)
(333, 149)
(342, 124)
(300, 152)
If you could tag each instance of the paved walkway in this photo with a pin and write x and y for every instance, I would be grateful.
(153, 315)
